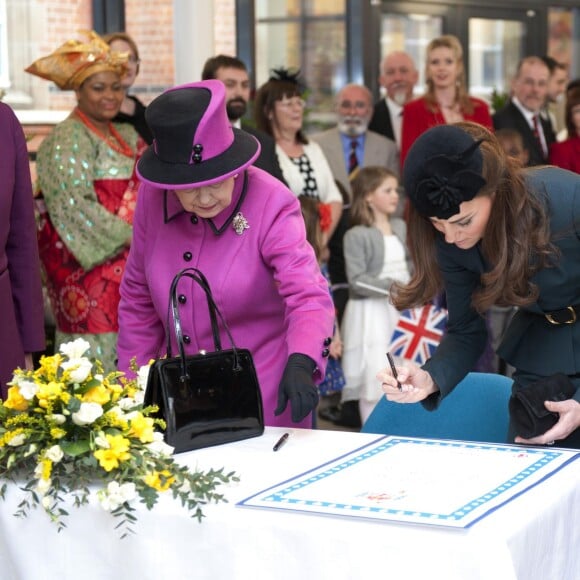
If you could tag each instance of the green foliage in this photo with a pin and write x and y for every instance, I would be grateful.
(67, 431)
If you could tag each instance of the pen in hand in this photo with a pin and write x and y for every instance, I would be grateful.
(280, 441)
(394, 370)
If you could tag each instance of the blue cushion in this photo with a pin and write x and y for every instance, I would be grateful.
(476, 410)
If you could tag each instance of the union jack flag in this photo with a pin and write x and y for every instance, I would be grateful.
(418, 332)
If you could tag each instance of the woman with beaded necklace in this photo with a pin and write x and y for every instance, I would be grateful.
(88, 194)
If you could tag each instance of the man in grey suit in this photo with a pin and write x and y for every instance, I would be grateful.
(234, 74)
(347, 147)
(354, 107)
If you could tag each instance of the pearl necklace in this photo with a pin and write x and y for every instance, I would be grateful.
(120, 146)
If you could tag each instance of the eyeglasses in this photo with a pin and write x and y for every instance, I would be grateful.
(134, 60)
(360, 105)
(293, 102)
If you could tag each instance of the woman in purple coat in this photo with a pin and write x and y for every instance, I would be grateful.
(202, 205)
(21, 305)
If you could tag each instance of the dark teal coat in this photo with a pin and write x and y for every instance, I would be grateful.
(531, 344)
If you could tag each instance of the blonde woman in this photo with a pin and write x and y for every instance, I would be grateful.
(446, 99)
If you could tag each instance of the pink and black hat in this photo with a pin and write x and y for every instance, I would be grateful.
(193, 141)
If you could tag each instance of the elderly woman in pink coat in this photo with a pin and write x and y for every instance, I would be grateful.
(201, 204)
(21, 305)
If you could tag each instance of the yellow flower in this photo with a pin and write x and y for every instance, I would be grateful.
(115, 390)
(46, 469)
(159, 480)
(51, 392)
(142, 428)
(15, 400)
(57, 433)
(117, 451)
(98, 395)
(48, 367)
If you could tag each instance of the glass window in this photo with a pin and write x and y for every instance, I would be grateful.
(310, 36)
(289, 8)
(410, 33)
(495, 48)
(564, 37)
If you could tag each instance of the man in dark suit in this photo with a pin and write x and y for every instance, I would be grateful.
(398, 77)
(522, 113)
(234, 74)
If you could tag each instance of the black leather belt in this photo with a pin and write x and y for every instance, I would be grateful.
(568, 315)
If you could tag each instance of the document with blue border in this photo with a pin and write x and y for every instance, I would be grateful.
(420, 481)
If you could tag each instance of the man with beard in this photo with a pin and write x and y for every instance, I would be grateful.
(398, 78)
(234, 75)
(348, 147)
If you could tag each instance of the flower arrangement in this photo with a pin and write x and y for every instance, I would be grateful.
(65, 427)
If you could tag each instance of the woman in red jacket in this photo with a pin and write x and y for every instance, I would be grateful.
(446, 99)
(566, 154)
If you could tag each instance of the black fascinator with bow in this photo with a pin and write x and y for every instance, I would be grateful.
(287, 76)
(442, 170)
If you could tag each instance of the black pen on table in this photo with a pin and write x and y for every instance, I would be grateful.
(281, 441)
(394, 370)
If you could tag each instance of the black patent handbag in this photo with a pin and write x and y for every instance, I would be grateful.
(208, 398)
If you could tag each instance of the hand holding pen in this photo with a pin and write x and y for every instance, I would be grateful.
(413, 384)
(394, 370)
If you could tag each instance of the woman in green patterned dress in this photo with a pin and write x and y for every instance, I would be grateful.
(88, 193)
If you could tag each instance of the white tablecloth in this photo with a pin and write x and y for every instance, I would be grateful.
(536, 536)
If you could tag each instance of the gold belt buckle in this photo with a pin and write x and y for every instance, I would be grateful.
(572, 320)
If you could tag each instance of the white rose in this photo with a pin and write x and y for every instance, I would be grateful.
(43, 486)
(139, 398)
(102, 442)
(127, 492)
(75, 349)
(57, 418)
(87, 414)
(127, 403)
(115, 495)
(159, 447)
(28, 389)
(80, 369)
(55, 453)
(17, 440)
(143, 376)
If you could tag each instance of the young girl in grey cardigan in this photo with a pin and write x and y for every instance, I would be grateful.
(376, 255)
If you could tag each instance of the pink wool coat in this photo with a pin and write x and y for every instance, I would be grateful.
(266, 281)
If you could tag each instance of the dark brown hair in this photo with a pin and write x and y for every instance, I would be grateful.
(572, 100)
(270, 92)
(517, 229)
(214, 63)
(367, 180)
(310, 213)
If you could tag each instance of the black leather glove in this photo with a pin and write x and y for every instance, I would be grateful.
(297, 386)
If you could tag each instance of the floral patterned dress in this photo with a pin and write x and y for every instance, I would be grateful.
(88, 193)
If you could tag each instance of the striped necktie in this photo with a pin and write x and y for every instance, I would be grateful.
(353, 159)
(537, 135)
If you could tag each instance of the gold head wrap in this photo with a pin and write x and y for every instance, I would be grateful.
(73, 62)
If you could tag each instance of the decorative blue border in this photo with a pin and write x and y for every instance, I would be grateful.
(545, 457)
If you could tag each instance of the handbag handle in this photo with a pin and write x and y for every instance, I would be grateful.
(201, 280)
(214, 312)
